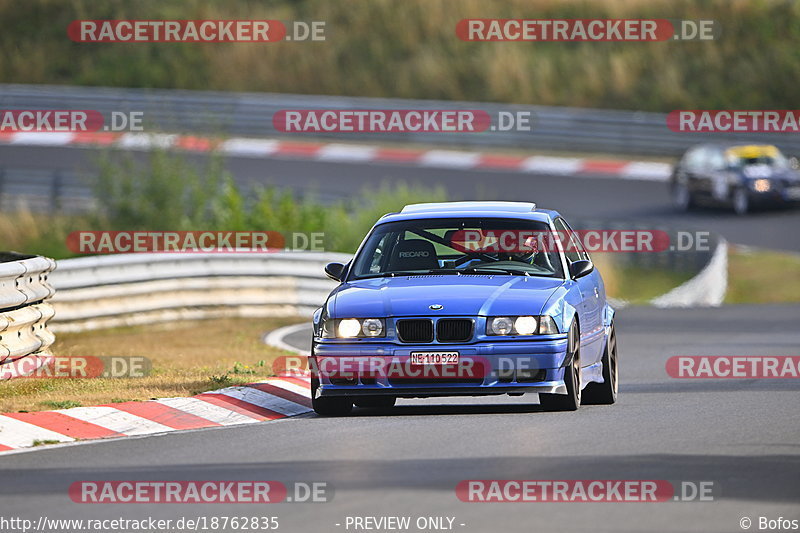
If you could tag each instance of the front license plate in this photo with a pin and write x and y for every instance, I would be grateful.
(434, 358)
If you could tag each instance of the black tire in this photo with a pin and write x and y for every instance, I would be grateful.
(605, 393)
(331, 405)
(682, 197)
(741, 201)
(375, 402)
(572, 378)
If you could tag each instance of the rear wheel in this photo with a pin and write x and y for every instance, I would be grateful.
(375, 402)
(572, 378)
(605, 393)
(331, 405)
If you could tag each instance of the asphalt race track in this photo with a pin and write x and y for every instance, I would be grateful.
(585, 197)
(740, 434)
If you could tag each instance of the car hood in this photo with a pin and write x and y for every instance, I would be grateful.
(764, 171)
(458, 295)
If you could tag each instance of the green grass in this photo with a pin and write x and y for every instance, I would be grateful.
(61, 404)
(635, 284)
(762, 276)
(642, 285)
(409, 49)
(45, 442)
(187, 358)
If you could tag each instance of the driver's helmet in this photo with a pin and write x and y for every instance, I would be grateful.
(527, 251)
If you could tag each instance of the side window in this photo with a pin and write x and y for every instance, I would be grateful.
(373, 257)
(378, 257)
(573, 249)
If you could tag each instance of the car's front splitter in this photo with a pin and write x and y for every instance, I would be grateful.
(551, 387)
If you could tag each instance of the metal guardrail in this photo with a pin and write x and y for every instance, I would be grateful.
(132, 289)
(250, 114)
(24, 313)
(45, 191)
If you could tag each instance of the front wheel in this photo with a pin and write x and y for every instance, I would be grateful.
(572, 378)
(741, 201)
(605, 393)
(329, 406)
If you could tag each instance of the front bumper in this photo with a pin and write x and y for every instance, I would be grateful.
(486, 368)
(777, 195)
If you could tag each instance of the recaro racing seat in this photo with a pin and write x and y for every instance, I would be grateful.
(413, 254)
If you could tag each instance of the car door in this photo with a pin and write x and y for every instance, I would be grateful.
(717, 175)
(690, 171)
(592, 300)
(697, 172)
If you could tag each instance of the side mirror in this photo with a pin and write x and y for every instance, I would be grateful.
(334, 271)
(578, 269)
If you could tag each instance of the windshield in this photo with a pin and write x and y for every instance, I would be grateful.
(457, 246)
(745, 156)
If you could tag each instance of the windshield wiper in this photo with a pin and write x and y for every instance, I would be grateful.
(395, 274)
(445, 271)
(478, 270)
(492, 270)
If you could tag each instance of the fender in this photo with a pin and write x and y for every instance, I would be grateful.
(608, 316)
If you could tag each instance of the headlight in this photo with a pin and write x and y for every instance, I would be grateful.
(349, 328)
(372, 327)
(761, 185)
(521, 325)
(501, 325)
(526, 325)
(547, 326)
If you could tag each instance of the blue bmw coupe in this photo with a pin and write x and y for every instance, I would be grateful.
(465, 299)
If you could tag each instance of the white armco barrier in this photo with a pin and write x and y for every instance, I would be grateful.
(118, 290)
(24, 335)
